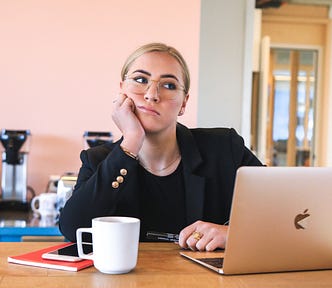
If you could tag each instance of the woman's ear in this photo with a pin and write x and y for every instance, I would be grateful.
(183, 106)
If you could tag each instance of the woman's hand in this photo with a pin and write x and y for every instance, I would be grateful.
(125, 119)
(203, 236)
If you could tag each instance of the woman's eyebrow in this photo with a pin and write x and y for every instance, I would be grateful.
(169, 76)
(149, 74)
(141, 71)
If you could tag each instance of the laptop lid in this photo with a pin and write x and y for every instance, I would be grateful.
(280, 221)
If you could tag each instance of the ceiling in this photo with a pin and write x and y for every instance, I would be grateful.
(310, 2)
(278, 3)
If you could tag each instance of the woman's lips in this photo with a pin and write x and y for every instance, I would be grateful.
(147, 110)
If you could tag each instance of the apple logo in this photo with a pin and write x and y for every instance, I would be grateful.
(299, 218)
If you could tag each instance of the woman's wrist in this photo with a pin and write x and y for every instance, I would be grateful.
(129, 153)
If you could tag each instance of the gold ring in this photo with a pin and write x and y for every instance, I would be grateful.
(197, 235)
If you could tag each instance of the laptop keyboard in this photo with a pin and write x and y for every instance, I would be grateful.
(216, 262)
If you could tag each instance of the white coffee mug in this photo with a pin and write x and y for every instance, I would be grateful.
(115, 243)
(45, 204)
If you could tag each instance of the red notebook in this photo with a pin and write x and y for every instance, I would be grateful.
(35, 259)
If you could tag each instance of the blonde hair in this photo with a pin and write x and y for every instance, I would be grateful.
(158, 47)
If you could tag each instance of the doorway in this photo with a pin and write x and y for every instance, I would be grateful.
(291, 107)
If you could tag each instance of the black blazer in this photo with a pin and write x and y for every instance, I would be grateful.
(210, 159)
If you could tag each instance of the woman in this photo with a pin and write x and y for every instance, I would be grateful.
(173, 178)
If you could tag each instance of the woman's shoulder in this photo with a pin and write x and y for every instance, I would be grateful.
(218, 135)
(210, 130)
(214, 132)
(210, 137)
(221, 133)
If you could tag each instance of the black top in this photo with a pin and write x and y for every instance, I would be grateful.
(162, 202)
(210, 158)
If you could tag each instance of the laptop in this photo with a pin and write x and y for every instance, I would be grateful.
(281, 220)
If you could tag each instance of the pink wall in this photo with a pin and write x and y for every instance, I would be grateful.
(60, 67)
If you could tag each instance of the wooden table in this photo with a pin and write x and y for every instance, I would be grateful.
(159, 265)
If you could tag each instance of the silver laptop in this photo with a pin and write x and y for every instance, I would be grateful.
(281, 220)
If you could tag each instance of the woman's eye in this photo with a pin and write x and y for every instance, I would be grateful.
(141, 80)
(169, 86)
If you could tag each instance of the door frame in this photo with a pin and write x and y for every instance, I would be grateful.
(264, 91)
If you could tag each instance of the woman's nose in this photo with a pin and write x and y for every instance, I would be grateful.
(152, 92)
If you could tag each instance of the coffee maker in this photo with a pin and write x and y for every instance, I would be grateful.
(14, 169)
(95, 138)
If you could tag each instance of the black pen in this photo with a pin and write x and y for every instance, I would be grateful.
(162, 236)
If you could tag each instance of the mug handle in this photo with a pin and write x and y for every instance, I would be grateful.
(81, 254)
(33, 202)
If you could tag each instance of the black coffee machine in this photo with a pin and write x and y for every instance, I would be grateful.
(95, 138)
(14, 169)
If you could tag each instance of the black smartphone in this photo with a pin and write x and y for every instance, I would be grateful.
(68, 253)
(162, 236)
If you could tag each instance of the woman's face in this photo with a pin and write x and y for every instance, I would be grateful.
(155, 84)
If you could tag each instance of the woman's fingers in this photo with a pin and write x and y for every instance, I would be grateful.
(203, 236)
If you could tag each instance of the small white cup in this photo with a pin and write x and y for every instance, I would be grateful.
(115, 244)
(47, 204)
